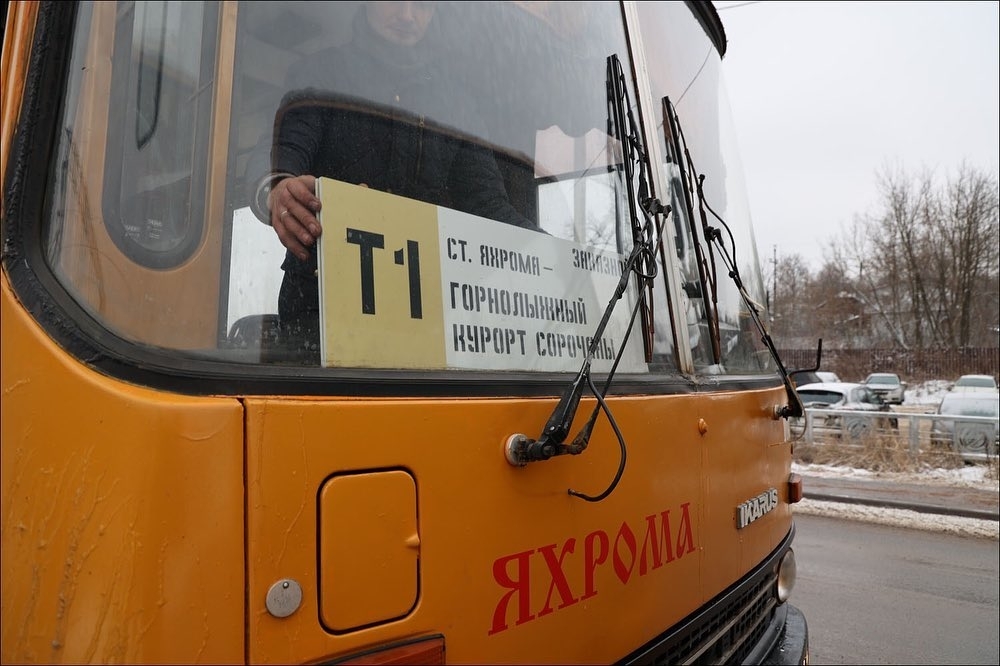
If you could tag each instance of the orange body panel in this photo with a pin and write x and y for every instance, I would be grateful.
(484, 527)
(20, 26)
(122, 506)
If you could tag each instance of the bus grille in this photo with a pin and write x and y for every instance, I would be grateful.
(727, 630)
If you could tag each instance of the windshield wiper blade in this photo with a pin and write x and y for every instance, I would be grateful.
(713, 236)
(707, 282)
(520, 449)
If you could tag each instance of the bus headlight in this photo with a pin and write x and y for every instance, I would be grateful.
(786, 576)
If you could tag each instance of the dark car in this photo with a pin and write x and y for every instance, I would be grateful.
(802, 377)
(887, 385)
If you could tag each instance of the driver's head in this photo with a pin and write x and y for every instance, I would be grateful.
(403, 23)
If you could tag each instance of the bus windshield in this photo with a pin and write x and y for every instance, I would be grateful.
(477, 214)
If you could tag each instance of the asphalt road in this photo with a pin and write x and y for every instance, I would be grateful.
(875, 594)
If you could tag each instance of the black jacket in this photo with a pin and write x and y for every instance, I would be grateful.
(391, 118)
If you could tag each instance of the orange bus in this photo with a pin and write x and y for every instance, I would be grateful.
(516, 403)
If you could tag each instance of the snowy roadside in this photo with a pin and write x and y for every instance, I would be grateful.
(969, 476)
(972, 476)
(924, 397)
(969, 527)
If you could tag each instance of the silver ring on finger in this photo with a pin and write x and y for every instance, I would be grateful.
(283, 213)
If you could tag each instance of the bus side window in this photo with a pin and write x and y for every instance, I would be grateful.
(156, 166)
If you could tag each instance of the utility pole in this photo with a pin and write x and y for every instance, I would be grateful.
(774, 282)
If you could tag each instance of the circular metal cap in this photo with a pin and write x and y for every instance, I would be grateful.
(284, 598)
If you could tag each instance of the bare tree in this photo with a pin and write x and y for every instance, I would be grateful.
(837, 315)
(850, 257)
(923, 269)
(790, 305)
(967, 245)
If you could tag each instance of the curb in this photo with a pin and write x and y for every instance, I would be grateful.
(890, 504)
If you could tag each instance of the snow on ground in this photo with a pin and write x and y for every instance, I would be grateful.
(971, 476)
(968, 527)
(928, 395)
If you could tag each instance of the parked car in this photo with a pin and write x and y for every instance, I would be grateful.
(843, 396)
(974, 440)
(800, 377)
(975, 383)
(887, 385)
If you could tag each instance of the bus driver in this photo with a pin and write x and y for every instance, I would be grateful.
(388, 65)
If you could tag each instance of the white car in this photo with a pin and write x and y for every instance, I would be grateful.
(845, 396)
(975, 383)
(827, 377)
(974, 440)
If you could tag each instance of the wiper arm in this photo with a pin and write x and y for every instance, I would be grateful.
(675, 140)
(521, 450)
(714, 236)
(794, 407)
(550, 442)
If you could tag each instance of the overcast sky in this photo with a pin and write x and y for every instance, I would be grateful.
(825, 94)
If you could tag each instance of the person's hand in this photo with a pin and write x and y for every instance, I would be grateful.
(294, 205)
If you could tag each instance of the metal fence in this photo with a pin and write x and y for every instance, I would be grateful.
(974, 438)
(911, 365)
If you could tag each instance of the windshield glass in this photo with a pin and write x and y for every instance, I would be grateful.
(477, 209)
(815, 397)
(888, 380)
(686, 70)
(976, 382)
(963, 405)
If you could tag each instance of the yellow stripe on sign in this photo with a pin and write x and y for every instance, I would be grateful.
(380, 280)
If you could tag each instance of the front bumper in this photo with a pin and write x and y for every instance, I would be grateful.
(793, 643)
(745, 624)
(890, 397)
